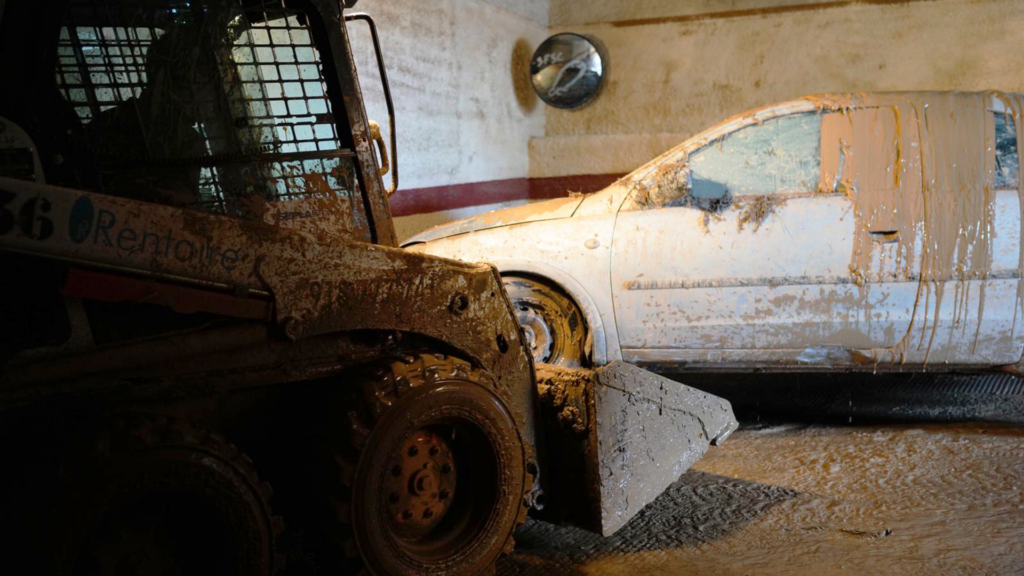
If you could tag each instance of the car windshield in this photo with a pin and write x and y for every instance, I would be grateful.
(217, 104)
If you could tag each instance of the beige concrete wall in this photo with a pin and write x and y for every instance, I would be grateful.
(467, 114)
(536, 10)
(564, 12)
(572, 155)
(672, 78)
(461, 117)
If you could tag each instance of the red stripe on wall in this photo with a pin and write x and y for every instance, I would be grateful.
(438, 198)
(560, 186)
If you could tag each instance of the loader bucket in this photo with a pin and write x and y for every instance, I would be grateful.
(637, 432)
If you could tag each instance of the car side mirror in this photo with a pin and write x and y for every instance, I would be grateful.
(704, 189)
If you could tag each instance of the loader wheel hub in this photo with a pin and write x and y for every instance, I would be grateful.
(422, 484)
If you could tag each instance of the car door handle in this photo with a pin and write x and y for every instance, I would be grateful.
(884, 236)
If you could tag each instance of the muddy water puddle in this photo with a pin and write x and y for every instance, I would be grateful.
(794, 500)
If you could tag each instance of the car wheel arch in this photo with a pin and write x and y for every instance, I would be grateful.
(572, 288)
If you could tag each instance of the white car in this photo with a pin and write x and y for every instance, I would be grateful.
(880, 231)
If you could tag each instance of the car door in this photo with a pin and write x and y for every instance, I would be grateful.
(999, 334)
(872, 155)
(969, 300)
(750, 261)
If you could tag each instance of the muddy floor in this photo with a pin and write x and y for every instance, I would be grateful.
(818, 498)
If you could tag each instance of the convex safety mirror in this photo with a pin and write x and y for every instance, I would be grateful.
(567, 70)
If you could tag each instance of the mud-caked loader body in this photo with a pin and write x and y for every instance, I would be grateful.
(214, 358)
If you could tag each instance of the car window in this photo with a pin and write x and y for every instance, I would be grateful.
(780, 155)
(858, 149)
(1007, 161)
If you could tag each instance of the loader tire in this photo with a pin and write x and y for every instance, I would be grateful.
(431, 475)
(158, 496)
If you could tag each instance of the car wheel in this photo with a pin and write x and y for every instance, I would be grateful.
(553, 324)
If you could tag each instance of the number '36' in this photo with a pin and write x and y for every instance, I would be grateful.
(31, 219)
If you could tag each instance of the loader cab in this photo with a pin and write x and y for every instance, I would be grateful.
(245, 108)
(248, 110)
